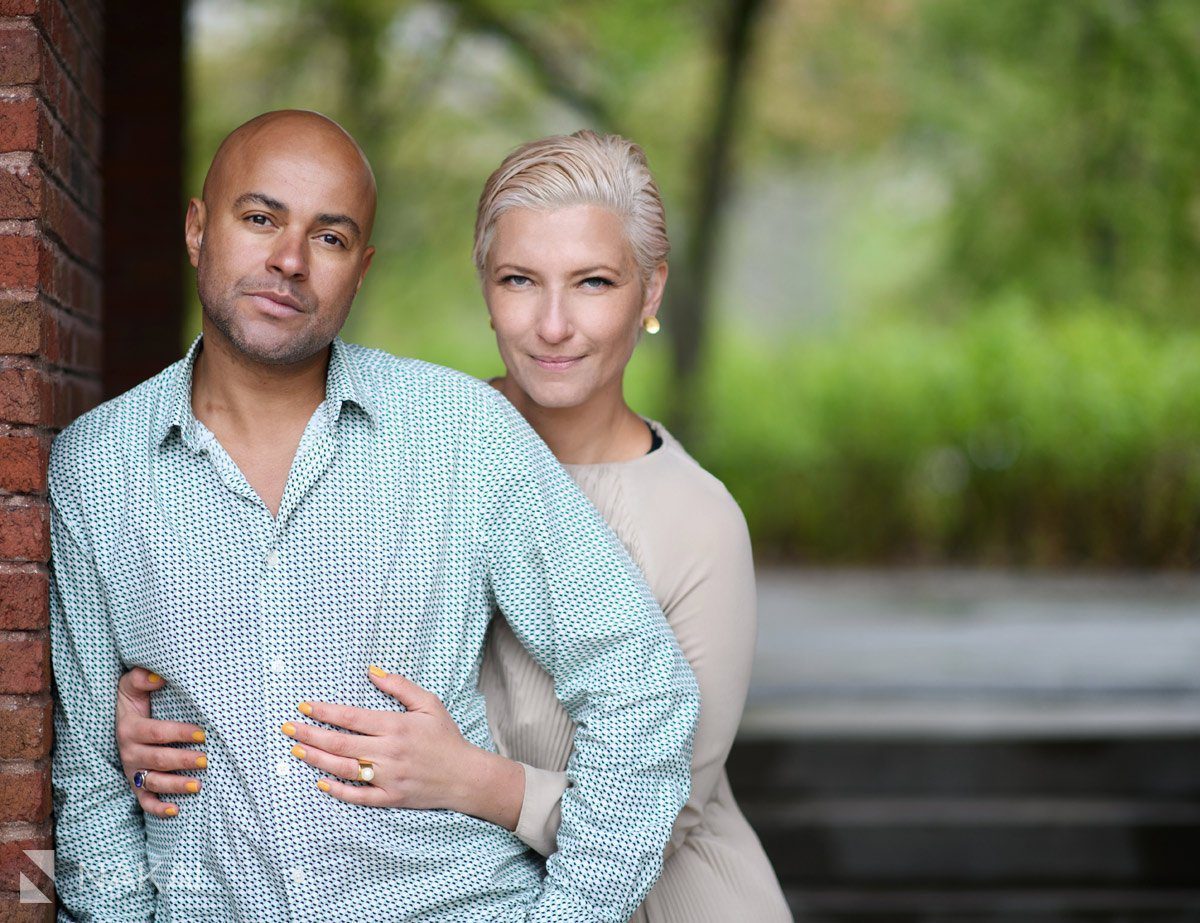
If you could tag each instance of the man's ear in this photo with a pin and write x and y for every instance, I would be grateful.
(368, 255)
(193, 229)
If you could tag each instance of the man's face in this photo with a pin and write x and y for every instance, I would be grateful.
(280, 242)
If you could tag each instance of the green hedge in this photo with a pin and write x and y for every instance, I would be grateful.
(1007, 438)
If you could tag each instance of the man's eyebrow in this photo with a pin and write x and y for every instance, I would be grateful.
(260, 198)
(344, 220)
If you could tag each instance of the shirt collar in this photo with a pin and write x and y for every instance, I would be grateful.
(175, 410)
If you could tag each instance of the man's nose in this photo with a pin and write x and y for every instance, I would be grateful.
(289, 256)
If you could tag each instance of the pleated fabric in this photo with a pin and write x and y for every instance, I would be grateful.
(688, 536)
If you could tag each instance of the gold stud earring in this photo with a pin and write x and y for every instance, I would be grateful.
(651, 325)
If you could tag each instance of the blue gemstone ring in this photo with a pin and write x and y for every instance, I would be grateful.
(139, 778)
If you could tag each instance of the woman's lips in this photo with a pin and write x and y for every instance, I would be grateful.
(557, 363)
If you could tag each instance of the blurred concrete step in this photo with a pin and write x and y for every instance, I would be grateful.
(1146, 768)
(982, 906)
(990, 843)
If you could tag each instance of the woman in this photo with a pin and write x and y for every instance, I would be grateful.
(571, 249)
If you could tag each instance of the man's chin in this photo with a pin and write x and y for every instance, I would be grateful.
(276, 347)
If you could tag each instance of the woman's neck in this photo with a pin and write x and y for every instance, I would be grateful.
(603, 429)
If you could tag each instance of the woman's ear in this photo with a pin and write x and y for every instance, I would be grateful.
(653, 296)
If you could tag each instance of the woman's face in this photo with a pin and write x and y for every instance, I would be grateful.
(567, 301)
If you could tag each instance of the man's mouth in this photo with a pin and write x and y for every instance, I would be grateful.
(279, 304)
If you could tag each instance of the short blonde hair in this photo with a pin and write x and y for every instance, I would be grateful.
(585, 168)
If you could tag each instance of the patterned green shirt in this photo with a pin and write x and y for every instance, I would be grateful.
(418, 505)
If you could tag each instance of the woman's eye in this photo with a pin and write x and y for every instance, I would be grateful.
(515, 280)
(596, 283)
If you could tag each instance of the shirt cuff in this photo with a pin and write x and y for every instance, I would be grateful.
(541, 809)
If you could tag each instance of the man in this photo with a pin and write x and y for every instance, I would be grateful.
(267, 517)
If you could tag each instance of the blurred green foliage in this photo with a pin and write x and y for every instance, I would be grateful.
(959, 267)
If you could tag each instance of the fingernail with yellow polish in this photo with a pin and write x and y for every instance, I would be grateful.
(323, 785)
(198, 736)
(375, 671)
(172, 811)
(154, 678)
(202, 762)
(193, 787)
(305, 708)
(289, 729)
(298, 752)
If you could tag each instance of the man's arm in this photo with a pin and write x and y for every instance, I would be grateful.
(101, 869)
(581, 607)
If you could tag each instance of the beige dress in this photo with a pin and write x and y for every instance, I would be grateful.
(688, 536)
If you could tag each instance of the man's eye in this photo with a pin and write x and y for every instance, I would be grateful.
(333, 240)
(260, 220)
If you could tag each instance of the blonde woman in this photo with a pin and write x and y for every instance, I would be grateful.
(571, 250)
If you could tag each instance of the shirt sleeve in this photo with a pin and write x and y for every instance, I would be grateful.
(714, 619)
(101, 869)
(580, 606)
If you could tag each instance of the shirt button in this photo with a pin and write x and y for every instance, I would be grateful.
(272, 558)
(282, 768)
(298, 875)
(278, 665)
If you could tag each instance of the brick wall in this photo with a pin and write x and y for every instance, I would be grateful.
(50, 358)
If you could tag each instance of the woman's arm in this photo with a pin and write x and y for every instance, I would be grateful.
(713, 612)
(143, 743)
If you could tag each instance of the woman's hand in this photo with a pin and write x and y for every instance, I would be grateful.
(142, 740)
(420, 758)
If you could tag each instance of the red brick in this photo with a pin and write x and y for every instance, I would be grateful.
(18, 261)
(24, 597)
(26, 727)
(25, 397)
(91, 25)
(18, 7)
(74, 396)
(72, 342)
(20, 186)
(25, 663)
(12, 910)
(20, 53)
(24, 794)
(24, 530)
(23, 461)
(14, 862)
(78, 232)
(22, 326)
(18, 124)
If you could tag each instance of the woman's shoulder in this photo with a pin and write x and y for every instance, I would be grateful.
(666, 495)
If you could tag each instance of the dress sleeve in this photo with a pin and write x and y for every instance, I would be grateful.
(715, 621)
(582, 609)
(541, 811)
(101, 869)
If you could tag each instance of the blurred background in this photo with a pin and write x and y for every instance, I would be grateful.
(933, 318)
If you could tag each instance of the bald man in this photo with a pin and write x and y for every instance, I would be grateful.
(279, 511)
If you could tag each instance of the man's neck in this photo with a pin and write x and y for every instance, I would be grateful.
(237, 395)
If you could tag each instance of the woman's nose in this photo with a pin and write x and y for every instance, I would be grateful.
(553, 324)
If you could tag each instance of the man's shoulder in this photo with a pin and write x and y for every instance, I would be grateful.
(391, 380)
(110, 427)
